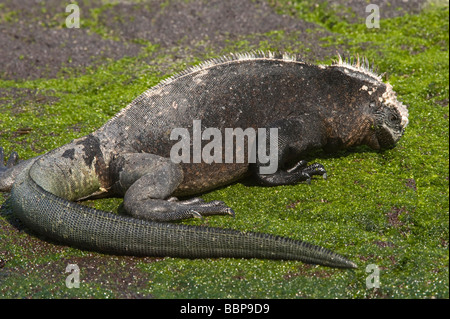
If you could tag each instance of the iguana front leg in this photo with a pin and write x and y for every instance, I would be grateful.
(147, 182)
(291, 150)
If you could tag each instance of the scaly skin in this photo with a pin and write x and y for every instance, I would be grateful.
(73, 223)
(330, 107)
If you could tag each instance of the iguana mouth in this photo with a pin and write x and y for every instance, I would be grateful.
(386, 138)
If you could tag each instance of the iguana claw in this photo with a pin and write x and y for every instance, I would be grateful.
(195, 214)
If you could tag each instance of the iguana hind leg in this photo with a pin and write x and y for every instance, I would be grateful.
(148, 181)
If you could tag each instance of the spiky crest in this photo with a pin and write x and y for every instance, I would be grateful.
(358, 65)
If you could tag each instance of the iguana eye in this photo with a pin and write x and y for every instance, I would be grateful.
(393, 118)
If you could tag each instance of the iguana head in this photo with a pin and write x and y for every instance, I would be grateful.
(387, 115)
(391, 118)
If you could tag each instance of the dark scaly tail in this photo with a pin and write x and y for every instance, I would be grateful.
(92, 229)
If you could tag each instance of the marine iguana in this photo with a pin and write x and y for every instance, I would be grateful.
(331, 107)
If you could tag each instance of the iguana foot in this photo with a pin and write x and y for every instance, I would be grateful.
(300, 172)
(199, 208)
(173, 209)
(314, 169)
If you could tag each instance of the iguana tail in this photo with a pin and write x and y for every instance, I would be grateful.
(92, 229)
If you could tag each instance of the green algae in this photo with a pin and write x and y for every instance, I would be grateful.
(389, 209)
